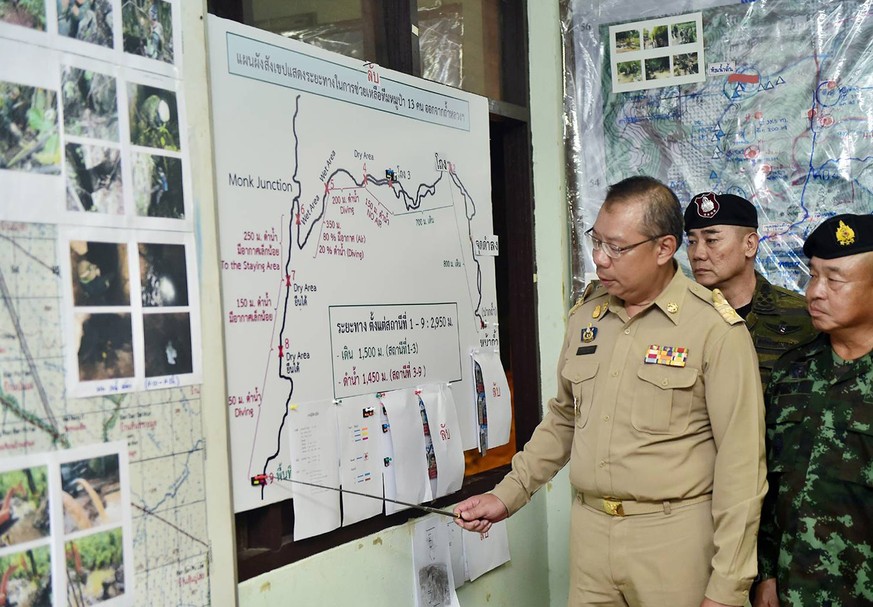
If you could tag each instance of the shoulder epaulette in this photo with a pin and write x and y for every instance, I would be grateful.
(592, 289)
(576, 305)
(722, 306)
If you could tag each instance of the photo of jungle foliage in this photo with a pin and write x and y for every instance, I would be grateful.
(86, 20)
(157, 186)
(26, 578)
(90, 104)
(95, 568)
(148, 29)
(154, 117)
(26, 13)
(29, 133)
(24, 515)
(94, 179)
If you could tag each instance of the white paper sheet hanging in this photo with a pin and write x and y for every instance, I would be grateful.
(456, 550)
(496, 393)
(431, 564)
(314, 459)
(446, 437)
(407, 438)
(360, 457)
(486, 551)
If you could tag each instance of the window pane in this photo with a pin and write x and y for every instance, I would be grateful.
(459, 44)
(337, 26)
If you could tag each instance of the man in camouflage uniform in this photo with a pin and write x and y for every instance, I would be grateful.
(816, 537)
(722, 245)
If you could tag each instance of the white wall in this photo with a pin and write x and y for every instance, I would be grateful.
(382, 562)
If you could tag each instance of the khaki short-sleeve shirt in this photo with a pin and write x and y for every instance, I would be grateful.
(666, 405)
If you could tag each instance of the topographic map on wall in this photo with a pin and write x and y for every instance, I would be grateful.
(93, 165)
(352, 200)
(784, 117)
(162, 428)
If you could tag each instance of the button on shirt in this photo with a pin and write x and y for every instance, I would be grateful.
(654, 432)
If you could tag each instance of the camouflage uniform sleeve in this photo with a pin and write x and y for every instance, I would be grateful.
(769, 535)
(778, 322)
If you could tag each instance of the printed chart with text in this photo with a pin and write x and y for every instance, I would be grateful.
(354, 222)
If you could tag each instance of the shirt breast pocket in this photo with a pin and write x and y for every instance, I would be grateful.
(789, 438)
(852, 462)
(581, 375)
(663, 401)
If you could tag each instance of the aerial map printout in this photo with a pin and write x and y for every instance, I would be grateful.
(784, 116)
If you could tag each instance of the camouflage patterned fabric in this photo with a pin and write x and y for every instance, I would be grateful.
(778, 322)
(816, 533)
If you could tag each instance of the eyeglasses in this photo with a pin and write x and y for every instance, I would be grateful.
(614, 251)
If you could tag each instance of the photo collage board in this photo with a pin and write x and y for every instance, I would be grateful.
(65, 528)
(657, 53)
(93, 134)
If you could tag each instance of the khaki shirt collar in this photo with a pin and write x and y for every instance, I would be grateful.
(671, 298)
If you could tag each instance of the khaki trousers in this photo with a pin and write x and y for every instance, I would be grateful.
(644, 560)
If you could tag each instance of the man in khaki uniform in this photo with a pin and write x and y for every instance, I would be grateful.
(722, 232)
(659, 412)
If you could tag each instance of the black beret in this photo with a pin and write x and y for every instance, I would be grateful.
(710, 209)
(839, 236)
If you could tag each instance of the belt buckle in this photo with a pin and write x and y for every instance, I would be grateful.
(613, 507)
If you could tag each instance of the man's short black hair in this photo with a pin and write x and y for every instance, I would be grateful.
(662, 214)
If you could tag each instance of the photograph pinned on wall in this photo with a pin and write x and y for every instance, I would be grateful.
(630, 71)
(167, 344)
(87, 21)
(157, 186)
(132, 316)
(685, 64)
(95, 568)
(29, 133)
(24, 13)
(655, 37)
(670, 55)
(27, 577)
(657, 67)
(91, 493)
(90, 104)
(154, 117)
(683, 33)
(147, 27)
(100, 274)
(104, 347)
(163, 274)
(94, 179)
(627, 41)
(24, 506)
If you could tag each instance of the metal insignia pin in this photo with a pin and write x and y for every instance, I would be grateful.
(589, 333)
(672, 308)
(596, 312)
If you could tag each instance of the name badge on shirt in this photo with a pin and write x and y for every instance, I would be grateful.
(672, 356)
(585, 350)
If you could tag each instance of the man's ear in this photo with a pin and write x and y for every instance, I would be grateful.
(750, 245)
(667, 246)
